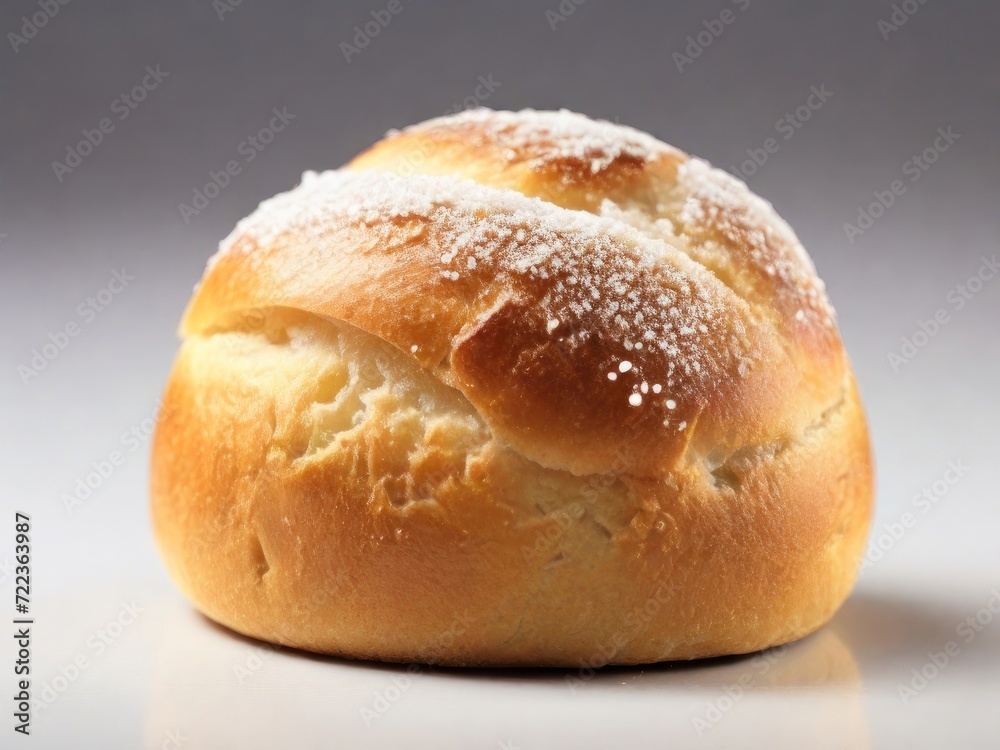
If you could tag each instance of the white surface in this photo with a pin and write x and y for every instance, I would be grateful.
(172, 671)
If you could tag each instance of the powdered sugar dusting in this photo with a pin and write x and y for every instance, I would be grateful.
(604, 279)
(715, 198)
(545, 137)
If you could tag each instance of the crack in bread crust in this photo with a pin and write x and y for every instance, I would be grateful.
(645, 326)
(370, 372)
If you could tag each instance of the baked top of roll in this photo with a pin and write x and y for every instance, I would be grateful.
(605, 301)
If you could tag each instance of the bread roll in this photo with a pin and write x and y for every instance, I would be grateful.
(513, 389)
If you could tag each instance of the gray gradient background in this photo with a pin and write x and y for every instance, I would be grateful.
(60, 242)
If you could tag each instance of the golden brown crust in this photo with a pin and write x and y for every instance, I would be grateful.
(514, 389)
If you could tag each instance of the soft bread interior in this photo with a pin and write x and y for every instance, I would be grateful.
(338, 389)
